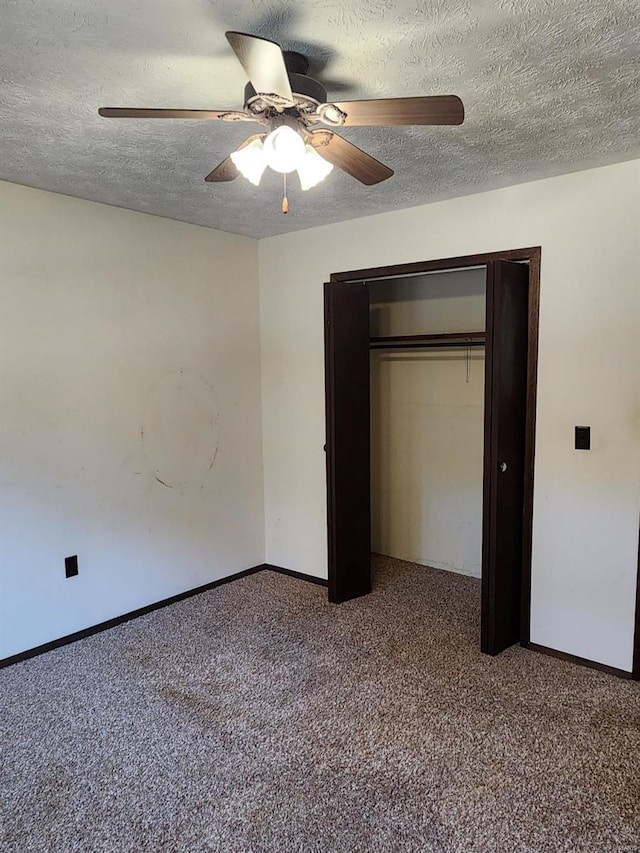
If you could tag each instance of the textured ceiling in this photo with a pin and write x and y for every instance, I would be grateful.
(549, 86)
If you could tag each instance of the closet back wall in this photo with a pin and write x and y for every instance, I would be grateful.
(427, 424)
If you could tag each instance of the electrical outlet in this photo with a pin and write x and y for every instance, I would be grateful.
(71, 566)
(583, 438)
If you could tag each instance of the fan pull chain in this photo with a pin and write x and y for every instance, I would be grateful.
(285, 200)
(468, 361)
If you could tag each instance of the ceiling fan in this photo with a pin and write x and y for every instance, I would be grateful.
(292, 107)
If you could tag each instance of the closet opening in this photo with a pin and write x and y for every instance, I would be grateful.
(430, 401)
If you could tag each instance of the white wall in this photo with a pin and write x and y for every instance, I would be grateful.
(439, 302)
(427, 423)
(586, 503)
(128, 355)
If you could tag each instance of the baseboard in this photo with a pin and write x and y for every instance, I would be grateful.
(603, 667)
(126, 617)
(299, 575)
(174, 599)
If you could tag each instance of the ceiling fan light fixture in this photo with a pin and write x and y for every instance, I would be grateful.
(270, 101)
(250, 161)
(312, 169)
(284, 149)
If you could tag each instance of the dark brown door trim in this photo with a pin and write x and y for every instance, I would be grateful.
(439, 265)
(532, 255)
(636, 636)
(506, 361)
(348, 455)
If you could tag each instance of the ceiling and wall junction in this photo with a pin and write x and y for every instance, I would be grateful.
(550, 86)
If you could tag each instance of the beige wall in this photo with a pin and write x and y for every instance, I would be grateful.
(586, 504)
(128, 356)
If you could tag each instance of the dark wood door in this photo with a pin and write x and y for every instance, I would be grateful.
(504, 453)
(348, 441)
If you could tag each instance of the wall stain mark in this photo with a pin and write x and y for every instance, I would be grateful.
(180, 429)
(162, 482)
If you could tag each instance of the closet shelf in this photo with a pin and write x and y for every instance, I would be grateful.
(442, 341)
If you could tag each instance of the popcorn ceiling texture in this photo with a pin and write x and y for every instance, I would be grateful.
(550, 86)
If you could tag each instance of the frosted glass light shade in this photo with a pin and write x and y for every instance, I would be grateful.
(250, 161)
(313, 168)
(284, 149)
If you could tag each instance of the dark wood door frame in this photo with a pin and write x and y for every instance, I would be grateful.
(532, 256)
(636, 636)
(505, 392)
(346, 312)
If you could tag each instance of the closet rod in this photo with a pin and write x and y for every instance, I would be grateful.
(448, 339)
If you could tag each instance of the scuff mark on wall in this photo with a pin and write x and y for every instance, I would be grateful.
(180, 433)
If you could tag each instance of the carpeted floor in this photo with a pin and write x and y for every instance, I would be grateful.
(257, 717)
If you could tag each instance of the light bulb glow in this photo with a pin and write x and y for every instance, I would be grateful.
(250, 161)
(284, 149)
(312, 169)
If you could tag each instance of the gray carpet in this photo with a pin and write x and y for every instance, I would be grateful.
(256, 717)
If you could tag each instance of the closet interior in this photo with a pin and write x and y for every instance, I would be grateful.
(427, 337)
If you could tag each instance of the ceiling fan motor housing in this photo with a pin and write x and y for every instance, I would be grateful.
(301, 84)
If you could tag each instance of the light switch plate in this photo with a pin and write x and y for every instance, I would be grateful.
(583, 438)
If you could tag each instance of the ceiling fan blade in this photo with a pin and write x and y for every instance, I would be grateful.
(227, 170)
(348, 157)
(126, 112)
(434, 109)
(264, 63)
